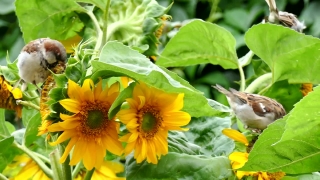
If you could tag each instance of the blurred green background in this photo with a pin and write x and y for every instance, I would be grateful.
(237, 16)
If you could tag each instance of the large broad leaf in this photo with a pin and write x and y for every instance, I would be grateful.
(180, 166)
(7, 152)
(32, 129)
(200, 42)
(117, 59)
(55, 19)
(4, 132)
(207, 133)
(291, 145)
(286, 52)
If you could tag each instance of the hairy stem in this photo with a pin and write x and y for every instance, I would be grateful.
(29, 104)
(258, 82)
(105, 25)
(35, 158)
(242, 78)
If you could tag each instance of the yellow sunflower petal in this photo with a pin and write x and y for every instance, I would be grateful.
(88, 158)
(177, 118)
(74, 91)
(63, 137)
(114, 88)
(114, 146)
(70, 105)
(235, 135)
(70, 145)
(88, 88)
(239, 157)
(98, 89)
(151, 154)
(55, 127)
(77, 152)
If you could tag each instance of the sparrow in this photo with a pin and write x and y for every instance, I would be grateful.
(254, 111)
(284, 18)
(37, 58)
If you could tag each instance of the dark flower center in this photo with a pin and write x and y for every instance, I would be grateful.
(95, 119)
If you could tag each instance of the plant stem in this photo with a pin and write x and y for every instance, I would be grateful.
(97, 27)
(66, 168)
(55, 165)
(242, 78)
(45, 159)
(29, 104)
(76, 170)
(105, 25)
(3, 177)
(258, 82)
(89, 174)
(36, 159)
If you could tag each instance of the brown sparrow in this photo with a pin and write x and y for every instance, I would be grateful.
(37, 57)
(256, 112)
(283, 18)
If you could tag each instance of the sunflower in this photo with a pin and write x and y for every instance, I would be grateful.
(90, 131)
(238, 159)
(152, 113)
(8, 97)
(108, 170)
(27, 169)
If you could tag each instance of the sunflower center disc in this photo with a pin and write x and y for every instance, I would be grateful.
(148, 122)
(95, 119)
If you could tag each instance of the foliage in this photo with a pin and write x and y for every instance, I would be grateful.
(113, 39)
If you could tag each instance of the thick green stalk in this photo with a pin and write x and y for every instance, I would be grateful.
(89, 174)
(66, 168)
(258, 82)
(29, 104)
(76, 170)
(35, 158)
(242, 78)
(105, 25)
(56, 166)
(3, 177)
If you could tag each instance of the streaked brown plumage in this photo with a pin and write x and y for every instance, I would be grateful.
(255, 111)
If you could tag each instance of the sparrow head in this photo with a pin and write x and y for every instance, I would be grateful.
(37, 57)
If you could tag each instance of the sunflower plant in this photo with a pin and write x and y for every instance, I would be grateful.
(119, 109)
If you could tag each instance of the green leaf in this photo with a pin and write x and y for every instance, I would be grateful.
(200, 42)
(31, 132)
(74, 72)
(27, 114)
(286, 52)
(178, 142)
(55, 19)
(232, 17)
(5, 144)
(7, 152)
(284, 93)
(291, 144)
(180, 166)
(4, 132)
(263, 157)
(119, 60)
(10, 127)
(99, 3)
(115, 107)
(207, 133)
(7, 6)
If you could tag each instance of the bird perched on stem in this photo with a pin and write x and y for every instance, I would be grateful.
(37, 58)
(284, 18)
(254, 111)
